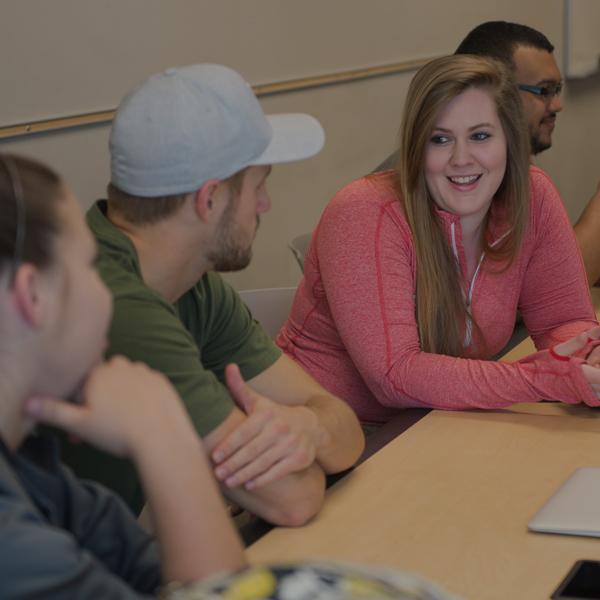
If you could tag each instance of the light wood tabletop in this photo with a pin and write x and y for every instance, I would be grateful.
(451, 497)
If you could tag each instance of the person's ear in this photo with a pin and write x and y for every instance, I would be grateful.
(27, 294)
(205, 199)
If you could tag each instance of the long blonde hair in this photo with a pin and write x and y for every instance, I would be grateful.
(440, 307)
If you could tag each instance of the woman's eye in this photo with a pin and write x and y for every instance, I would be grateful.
(440, 139)
(480, 136)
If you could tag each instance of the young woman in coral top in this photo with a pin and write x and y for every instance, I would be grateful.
(414, 276)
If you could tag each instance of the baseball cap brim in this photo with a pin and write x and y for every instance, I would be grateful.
(295, 136)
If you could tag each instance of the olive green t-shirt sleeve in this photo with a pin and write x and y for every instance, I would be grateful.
(192, 343)
(224, 329)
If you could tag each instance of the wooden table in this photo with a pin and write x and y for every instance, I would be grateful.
(451, 497)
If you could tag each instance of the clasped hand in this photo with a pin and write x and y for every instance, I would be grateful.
(591, 367)
(273, 441)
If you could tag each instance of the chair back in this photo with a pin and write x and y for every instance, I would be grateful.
(269, 306)
(299, 246)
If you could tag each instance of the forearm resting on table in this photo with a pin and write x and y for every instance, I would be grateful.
(344, 440)
(290, 501)
(587, 231)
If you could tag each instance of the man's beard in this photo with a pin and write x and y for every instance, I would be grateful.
(538, 146)
(229, 254)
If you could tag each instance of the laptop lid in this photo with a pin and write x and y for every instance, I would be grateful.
(575, 508)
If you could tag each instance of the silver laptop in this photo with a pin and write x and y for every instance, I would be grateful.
(575, 508)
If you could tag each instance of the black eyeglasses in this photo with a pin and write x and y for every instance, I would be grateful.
(546, 92)
(17, 193)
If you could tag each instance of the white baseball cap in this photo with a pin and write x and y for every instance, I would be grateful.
(187, 125)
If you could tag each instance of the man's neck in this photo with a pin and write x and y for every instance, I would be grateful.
(170, 261)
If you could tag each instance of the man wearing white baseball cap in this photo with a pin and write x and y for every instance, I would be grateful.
(190, 152)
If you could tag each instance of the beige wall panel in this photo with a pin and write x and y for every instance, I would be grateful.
(69, 56)
(73, 56)
(80, 155)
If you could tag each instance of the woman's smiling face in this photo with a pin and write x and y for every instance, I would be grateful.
(465, 159)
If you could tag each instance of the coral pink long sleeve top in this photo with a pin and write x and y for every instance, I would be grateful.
(352, 324)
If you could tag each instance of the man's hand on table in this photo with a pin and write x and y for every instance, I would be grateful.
(274, 441)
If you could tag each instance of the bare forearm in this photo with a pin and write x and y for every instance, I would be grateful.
(587, 231)
(195, 534)
(339, 437)
(344, 439)
(289, 502)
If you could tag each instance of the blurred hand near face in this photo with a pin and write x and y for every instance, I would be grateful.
(124, 406)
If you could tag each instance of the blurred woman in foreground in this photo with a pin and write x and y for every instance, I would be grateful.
(61, 537)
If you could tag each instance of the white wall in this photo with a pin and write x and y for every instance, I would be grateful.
(74, 56)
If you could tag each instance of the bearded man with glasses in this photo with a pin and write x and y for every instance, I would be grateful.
(530, 56)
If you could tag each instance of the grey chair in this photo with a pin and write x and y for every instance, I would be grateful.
(269, 306)
(299, 246)
(389, 163)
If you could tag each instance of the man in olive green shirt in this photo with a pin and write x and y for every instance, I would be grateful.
(190, 153)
